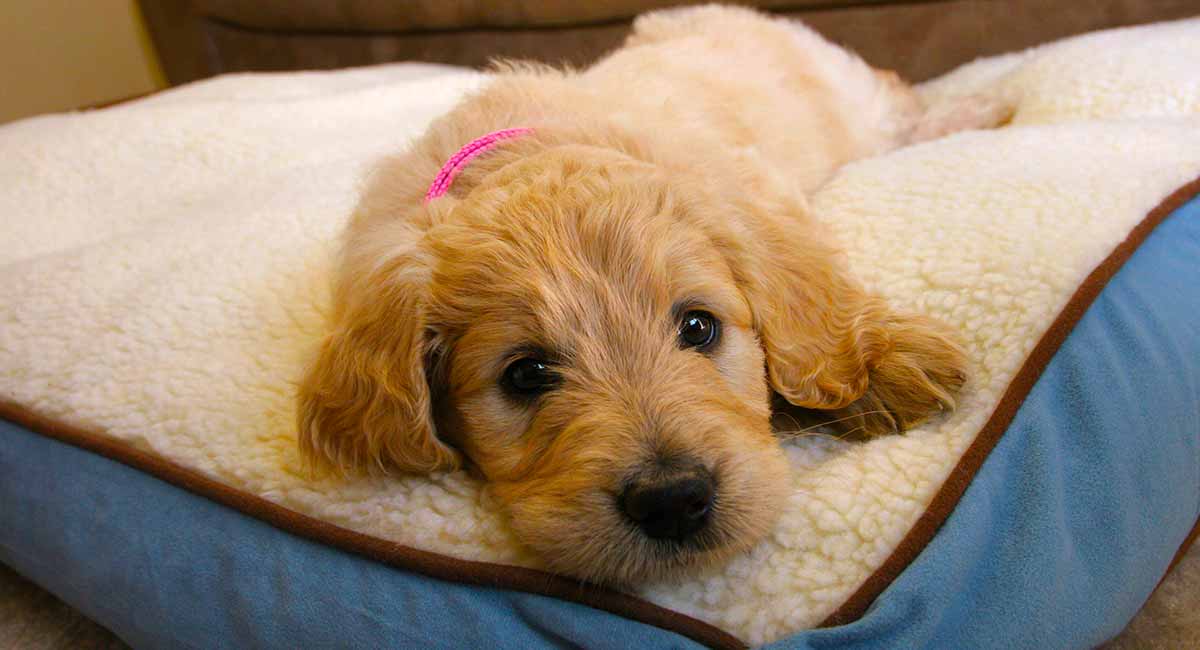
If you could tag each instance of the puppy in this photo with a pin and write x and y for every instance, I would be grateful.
(594, 311)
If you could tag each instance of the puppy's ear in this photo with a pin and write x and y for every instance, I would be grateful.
(829, 344)
(364, 403)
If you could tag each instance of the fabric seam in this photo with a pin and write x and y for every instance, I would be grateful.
(539, 582)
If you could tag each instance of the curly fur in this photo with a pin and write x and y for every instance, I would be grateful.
(672, 172)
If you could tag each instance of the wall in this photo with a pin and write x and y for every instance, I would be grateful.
(64, 54)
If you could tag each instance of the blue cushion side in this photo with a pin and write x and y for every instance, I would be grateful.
(1058, 541)
(164, 568)
(1078, 511)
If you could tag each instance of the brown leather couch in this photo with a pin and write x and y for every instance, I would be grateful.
(918, 38)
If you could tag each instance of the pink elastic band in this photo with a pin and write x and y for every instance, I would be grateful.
(441, 183)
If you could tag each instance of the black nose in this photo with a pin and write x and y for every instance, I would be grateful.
(673, 509)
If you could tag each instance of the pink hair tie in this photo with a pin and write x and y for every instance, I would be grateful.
(441, 183)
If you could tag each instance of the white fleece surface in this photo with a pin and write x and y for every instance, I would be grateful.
(164, 268)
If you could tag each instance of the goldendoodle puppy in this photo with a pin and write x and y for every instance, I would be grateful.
(588, 286)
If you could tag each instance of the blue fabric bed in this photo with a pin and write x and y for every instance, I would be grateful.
(1062, 535)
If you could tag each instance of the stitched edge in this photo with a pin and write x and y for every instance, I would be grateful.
(435, 565)
(971, 461)
(539, 582)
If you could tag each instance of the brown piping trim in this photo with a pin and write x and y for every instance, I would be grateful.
(1179, 554)
(431, 564)
(539, 582)
(960, 477)
(1183, 549)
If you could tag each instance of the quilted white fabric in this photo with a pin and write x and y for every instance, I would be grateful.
(164, 267)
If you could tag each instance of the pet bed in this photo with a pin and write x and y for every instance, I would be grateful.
(164, 269)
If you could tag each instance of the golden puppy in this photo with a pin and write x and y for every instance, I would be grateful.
(595, 316)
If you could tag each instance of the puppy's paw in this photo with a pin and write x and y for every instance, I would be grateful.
(917, 378)
(963, 113)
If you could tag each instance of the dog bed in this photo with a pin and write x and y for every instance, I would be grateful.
(164, 270)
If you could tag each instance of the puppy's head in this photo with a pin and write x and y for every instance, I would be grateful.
(600, 344)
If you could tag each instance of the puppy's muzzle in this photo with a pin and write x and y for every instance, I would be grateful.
(670, 505)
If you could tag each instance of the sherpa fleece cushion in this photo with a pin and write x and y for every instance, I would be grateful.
(165, 267)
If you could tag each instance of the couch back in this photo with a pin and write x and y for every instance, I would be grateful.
(917, 38)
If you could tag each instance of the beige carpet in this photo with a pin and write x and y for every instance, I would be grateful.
(1171, 619)
(33, 619)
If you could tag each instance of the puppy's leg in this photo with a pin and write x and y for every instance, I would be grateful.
(920, 122)
(965, 113)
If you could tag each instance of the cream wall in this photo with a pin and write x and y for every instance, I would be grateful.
(64, 54)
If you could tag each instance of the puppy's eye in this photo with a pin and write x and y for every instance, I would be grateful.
(699, 329)
(528, 377)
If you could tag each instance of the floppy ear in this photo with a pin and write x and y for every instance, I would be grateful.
(828, 343)
(364, 403)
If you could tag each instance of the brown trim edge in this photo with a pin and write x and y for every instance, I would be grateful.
(960, 477)
(1183, 550)
(1179, 555)
(540, 582)
(435, 565)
